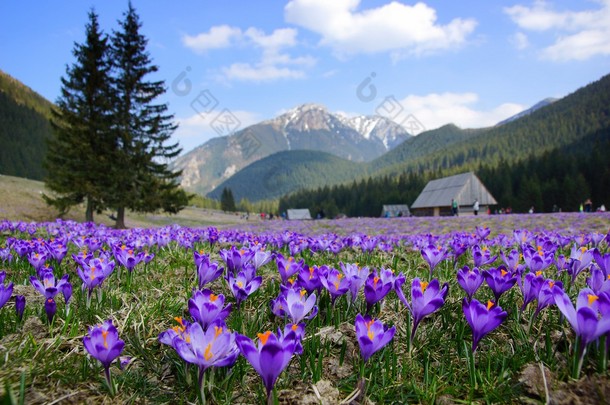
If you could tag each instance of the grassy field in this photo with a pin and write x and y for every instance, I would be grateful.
(21, 200)
(530, 357)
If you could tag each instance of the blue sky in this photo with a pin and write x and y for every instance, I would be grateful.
(229, 64)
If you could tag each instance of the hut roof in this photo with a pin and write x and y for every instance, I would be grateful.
(464, 188)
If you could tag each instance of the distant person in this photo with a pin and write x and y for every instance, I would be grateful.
(588, 205)
(602, 208)
(454, 207)
(475, 207)
(531, 210)
(581, 208)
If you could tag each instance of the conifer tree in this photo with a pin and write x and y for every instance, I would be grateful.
(81, 149)
(227, 201)
(143, 180)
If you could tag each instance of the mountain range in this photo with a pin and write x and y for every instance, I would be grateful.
(543, 128)
(306, 127)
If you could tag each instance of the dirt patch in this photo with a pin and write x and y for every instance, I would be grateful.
(540, 384)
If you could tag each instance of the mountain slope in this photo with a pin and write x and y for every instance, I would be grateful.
(537, 106)
(307, 127)
(560, 123)
(287, 171)
(24, 129)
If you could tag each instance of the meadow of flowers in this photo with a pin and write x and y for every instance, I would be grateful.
(489, 309)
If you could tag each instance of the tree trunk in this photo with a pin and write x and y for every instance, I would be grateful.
(120, 218)
(89, 211)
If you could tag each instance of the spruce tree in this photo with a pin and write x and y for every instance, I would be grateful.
(227, 201)
(143, 180)
(80, 151)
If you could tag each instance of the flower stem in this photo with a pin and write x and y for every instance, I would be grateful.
(201, 381)
(109, 381)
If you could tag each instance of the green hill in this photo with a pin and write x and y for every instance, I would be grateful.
(288, 171)
(24, 128)
(566, 121)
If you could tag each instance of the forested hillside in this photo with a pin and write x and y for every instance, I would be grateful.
(565, 121)
(24, 129)
(561, 178)
(284, 172)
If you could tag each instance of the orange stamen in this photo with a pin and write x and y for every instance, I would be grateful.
(264, 336)
(207, 354)
(489, 305)
(592, 298)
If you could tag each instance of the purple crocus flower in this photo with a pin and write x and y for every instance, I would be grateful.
(372, 335)
(537, 259)
(213, 347)
(459, 247)
(5, 254)
(19, 306)
(299, 332)
(236, 259)
(103, 343)
(482, 319)
(309, 279)
(426, 298)
(591, 317)
(270, 357)
(433, 255)
(598, 281)
(242, 287)
(335, 282)
(261, 258)
(5, 290)
(377, 286)
(299, 305)
(288, 267)
(512, 260)
(206, 307)
(49, 287)
(167, 337)
(470, 280)
(499, 280)
(50, 307)
(602, 260)
(545, 295)
(58, 250)
(206, 271)
(37, 259)
(481, 256)
(530, 285)
(357, 277)
(127, 257)
(580, 259)
(93, 273)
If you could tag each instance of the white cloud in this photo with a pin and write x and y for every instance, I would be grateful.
(580, 35)
(260, 72)
(435, 110)
(519, 40)
(274, 63)
(391, 27)
(218, 37)
(197, 129)
(279, 38)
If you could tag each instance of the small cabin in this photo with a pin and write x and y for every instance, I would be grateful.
(435, 199)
